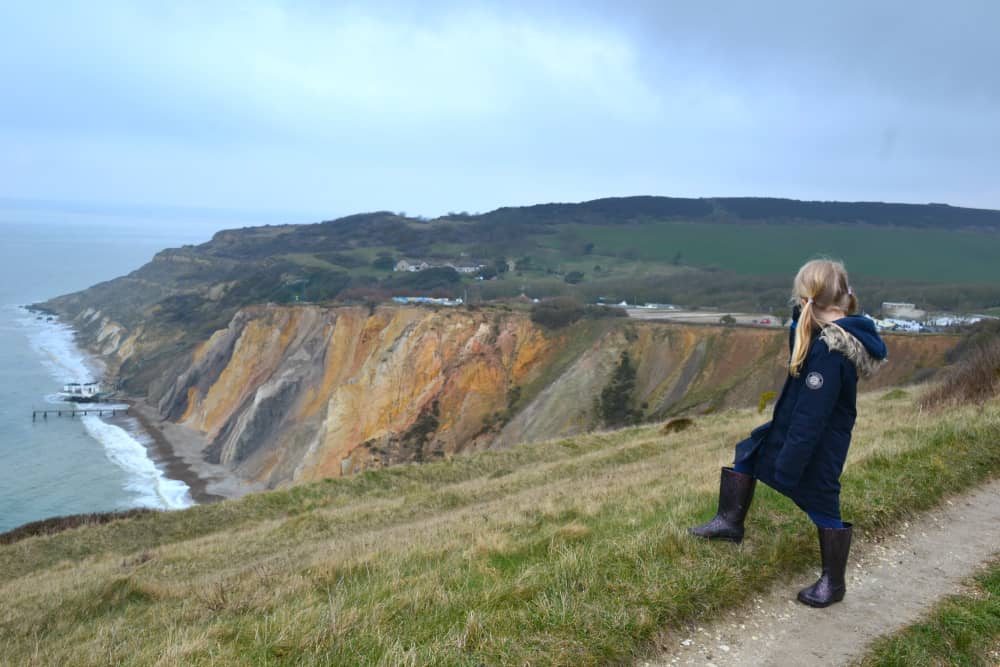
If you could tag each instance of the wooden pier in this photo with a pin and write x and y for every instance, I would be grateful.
(81, 412)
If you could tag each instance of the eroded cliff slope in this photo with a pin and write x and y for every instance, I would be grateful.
(290, 393)
(296, 393)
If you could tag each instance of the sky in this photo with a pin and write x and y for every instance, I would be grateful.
(301, 111)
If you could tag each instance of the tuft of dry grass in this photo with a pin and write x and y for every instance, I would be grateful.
(569, 552)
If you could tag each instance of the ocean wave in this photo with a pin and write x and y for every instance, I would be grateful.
(152, 488)
(56, 346)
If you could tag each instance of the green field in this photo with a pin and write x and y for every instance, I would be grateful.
(932, 255)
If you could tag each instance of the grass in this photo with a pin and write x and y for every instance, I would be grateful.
(570, 552)
(962, 630)
(311, 261)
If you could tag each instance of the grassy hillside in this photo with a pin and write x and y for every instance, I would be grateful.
(569, 552)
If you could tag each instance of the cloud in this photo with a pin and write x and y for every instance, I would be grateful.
(436, 105)
(274, 70)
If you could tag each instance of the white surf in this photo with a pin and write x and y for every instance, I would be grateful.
(66, 362)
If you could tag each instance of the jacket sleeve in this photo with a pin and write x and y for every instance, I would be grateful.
(822, 378)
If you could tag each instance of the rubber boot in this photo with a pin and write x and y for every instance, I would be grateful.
(735, 496)
(834, 546)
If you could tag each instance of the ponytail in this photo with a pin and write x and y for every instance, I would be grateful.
(821, 283)
(803, 338)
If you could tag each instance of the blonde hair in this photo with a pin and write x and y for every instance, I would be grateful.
(823, 284)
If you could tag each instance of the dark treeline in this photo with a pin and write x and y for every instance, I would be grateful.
(764, 209)
(625, 210)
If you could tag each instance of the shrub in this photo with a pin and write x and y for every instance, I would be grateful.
(384, 263)
(366, 295)
(973, 379)
(420, 282)
(557, 313)
(676, 425)
(615, 403)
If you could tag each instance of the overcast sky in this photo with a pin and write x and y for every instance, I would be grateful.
(321, 109)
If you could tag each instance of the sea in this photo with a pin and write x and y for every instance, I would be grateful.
(70, 465)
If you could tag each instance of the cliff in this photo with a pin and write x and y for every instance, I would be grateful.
(297, 393)
(294, 393)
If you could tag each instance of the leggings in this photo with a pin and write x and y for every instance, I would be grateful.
(821, 520)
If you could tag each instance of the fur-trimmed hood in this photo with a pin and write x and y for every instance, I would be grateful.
(856, 338)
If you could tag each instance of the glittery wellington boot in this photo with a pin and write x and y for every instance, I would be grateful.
(735, 495)
(834, 545)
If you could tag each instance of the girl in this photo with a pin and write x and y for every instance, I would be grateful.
(801, 451)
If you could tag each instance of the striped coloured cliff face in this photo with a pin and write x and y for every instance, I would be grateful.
(292, 393)
(296, 393)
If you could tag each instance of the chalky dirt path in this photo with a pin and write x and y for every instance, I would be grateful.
(890, 583)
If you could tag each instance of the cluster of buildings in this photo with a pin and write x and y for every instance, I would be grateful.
(428, 300)
(414, 266)
(898, 316)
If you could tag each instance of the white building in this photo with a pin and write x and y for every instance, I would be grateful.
(406, 265)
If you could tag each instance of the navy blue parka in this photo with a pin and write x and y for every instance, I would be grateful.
(801, 451)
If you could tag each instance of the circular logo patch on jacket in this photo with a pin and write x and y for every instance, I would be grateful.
(814, 380)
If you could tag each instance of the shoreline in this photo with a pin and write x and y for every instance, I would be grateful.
(178, 450)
